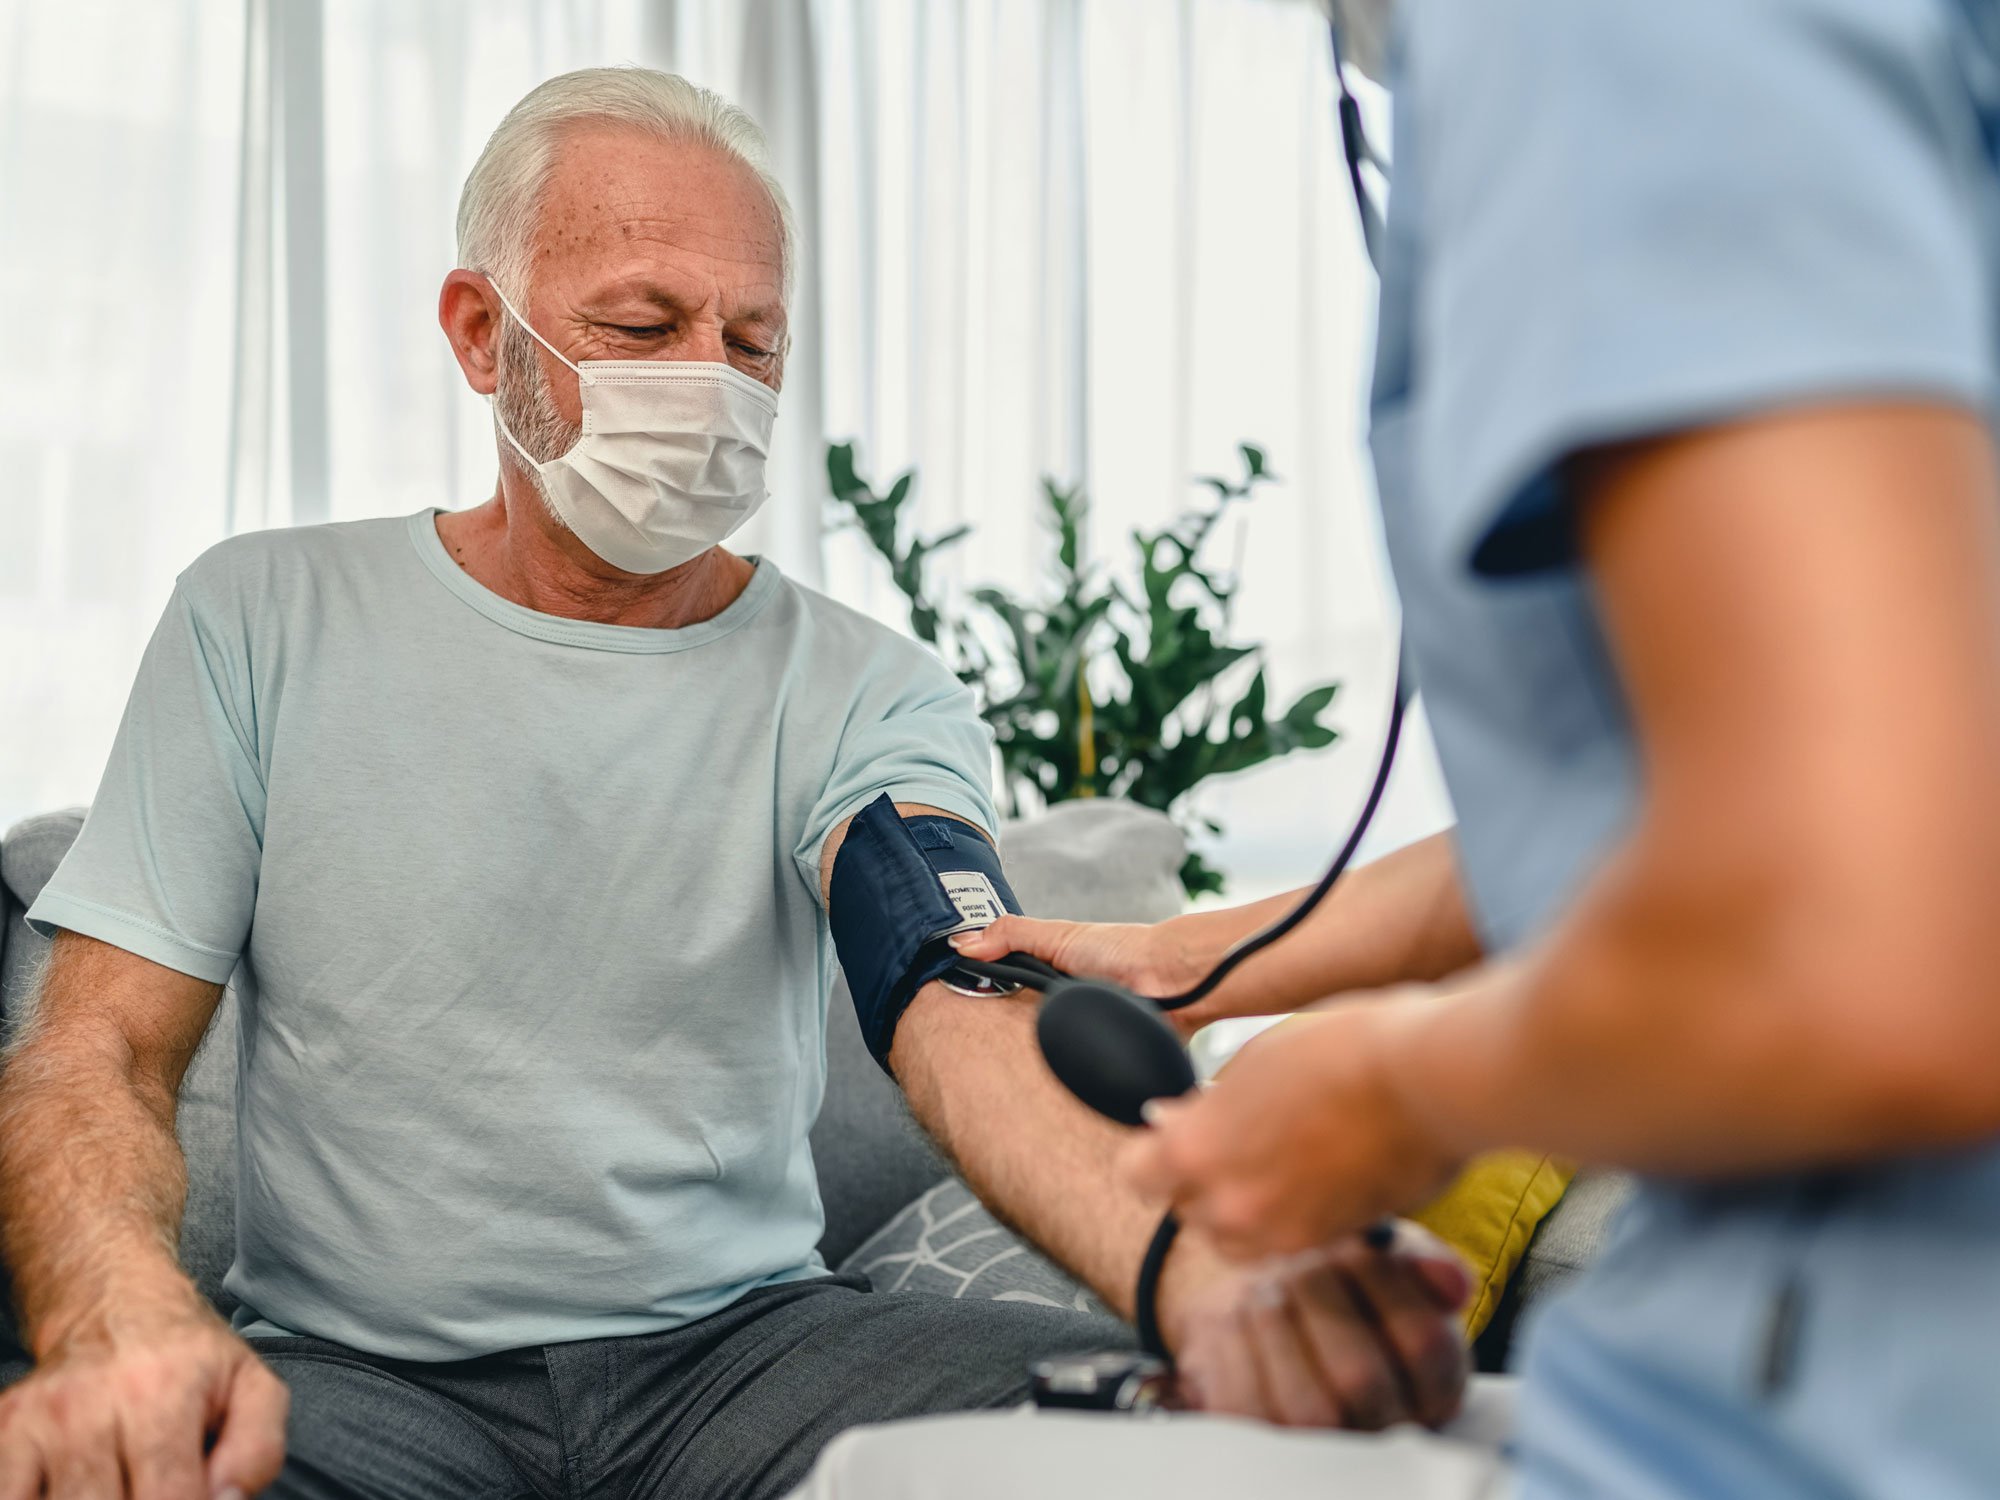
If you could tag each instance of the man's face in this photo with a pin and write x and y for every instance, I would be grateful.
(643, 249)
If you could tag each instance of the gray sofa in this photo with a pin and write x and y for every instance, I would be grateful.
(893, 1211)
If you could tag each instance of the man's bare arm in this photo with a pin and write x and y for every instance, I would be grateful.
(1353, 1338)
(135, 1373)
(92, 1180)
(1360, 1340)
(974, 1076)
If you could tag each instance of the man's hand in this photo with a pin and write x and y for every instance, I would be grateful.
(158, 1403)
(1343, 1336)
(1299, 1140)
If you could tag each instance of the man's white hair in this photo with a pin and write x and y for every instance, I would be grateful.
(496, 210)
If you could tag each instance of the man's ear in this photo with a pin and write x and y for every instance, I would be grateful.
(469, 312)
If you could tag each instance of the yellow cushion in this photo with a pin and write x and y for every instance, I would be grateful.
(1488, 1216)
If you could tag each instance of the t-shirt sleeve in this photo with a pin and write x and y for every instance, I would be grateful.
(915, 733)
(1638, 219)
(166, 864)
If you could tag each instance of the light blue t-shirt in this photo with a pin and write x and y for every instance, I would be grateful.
(1615, 220)
(524, 913)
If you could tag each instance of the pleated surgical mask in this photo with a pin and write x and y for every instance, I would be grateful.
(670, 461)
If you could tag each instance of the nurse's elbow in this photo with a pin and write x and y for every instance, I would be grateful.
(1897, 1038)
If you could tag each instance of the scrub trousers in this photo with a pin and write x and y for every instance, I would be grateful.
(1086, 1456)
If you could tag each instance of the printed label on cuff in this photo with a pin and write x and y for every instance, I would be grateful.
(973, 894)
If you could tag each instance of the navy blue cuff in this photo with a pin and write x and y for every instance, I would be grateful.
(898, 885)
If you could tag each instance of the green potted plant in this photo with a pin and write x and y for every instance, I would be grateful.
(1097, 685)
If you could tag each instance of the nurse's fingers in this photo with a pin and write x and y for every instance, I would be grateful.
(1167, 1160)
(1011, 934)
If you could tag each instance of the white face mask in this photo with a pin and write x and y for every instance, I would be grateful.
(670, 461)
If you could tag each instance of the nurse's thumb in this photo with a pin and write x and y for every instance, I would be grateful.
(1010, 935)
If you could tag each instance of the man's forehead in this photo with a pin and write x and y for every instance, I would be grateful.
(625, 207)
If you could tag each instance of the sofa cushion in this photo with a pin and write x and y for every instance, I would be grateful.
(28, 857)
(1573, 1234)
(948, 1244)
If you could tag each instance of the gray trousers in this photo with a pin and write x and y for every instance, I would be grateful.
(737, 1405)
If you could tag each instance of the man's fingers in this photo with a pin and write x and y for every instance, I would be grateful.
(82, 1453)
(161, 1440)
(1297, 1391)
(250, 1449)
(1348, 1350)
(1218, 1373)
(1441, 1269)
(20, 1454)
(1421, 1337)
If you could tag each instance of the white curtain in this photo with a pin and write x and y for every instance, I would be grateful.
(1099, 239)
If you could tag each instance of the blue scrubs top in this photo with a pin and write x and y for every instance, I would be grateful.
(1617, 220)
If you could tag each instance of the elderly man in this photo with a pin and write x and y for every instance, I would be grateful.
(517, 825)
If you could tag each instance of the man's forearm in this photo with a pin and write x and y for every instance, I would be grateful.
(92, 1181)
(1401, 919)
(975, 1079)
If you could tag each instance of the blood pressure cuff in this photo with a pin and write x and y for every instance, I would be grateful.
(899, 886)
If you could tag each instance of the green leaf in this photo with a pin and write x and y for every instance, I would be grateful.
(1152, 638)
(1309, 706)
(840, 476)
(1199, 878)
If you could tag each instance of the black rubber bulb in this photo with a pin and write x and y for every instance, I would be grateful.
(1111, 1049)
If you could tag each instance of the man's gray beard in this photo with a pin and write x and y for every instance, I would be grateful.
(523, 401)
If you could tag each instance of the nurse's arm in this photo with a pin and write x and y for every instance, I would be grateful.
(1401, 919)
(1791, 961)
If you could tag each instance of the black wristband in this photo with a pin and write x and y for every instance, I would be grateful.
(1145, 1301)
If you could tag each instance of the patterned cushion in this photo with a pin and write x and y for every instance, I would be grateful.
(946, 1243)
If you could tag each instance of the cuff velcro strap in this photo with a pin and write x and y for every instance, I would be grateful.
(898, 885)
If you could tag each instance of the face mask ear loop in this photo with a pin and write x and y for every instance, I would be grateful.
(529, 329)
(534, 466)
(512, 442)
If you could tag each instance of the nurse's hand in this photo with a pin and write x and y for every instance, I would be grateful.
(1297, 1142)
(1150, 959)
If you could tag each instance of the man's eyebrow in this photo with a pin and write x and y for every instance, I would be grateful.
(762, 313)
